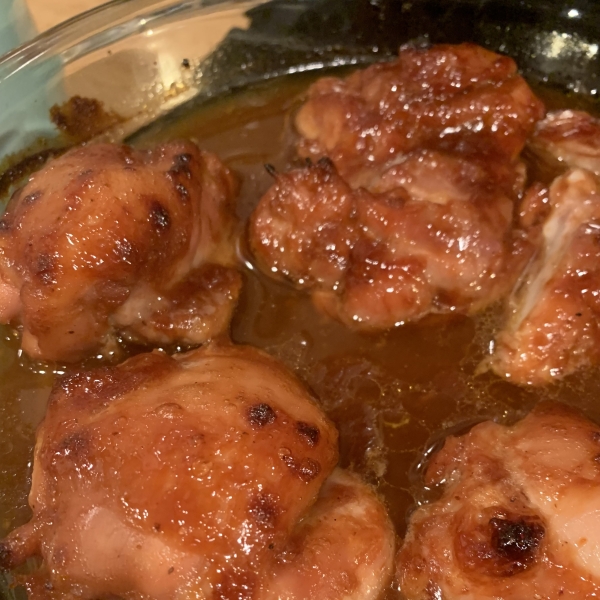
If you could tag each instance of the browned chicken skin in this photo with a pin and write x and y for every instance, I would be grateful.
(107, 239)
(206, 475)
(518, 517)
(455, 98)
(409, 209)
(552, 325)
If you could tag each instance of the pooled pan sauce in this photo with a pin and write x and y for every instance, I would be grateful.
(392, 396)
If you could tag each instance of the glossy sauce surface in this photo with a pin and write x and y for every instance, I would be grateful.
(391, 395)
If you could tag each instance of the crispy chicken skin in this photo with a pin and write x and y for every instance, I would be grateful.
(553, 318)
(205, 475)
(434, 235)
(518, 517)
(107, 239)
(454, 98)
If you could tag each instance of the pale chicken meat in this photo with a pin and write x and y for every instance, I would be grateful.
(568, 138)
(552, 327)
(432, 234)
(107, 240)
(204, 475)
(518, 514)
(452, 98)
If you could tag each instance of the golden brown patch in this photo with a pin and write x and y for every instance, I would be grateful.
(81, 119)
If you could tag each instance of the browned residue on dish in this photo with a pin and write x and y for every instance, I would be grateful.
(81, 119)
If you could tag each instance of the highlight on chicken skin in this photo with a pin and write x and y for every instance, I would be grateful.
(518, 516)
(109, 240)
(203, 475)
(552, 327)
(409, 207)
(460, 98)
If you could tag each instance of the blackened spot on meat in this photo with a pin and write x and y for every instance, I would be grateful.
(271, 170)
(159, 216)
(309, 433)
(181, 167)
(264, 510)
(45, 268)
(31, 198)
(517, 540)
(182, 192)
(261, 414)
(185, 63)
(326, 163)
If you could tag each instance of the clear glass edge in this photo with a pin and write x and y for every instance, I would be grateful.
(103, 25)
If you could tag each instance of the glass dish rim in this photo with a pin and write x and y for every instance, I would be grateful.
(103, 25)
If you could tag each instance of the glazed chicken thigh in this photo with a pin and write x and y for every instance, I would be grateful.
(109, 240)
(207, 475)
(518, 517)
(553, 318)
(408, 209)
(459, 98)
(552, 329)
(434, 235)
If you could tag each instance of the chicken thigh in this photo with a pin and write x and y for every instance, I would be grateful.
(409, 207)
(553, 319)
(551, 328)
(433, 235)
(453, 98)
(107, 239)
(207, 475)
(518, 516)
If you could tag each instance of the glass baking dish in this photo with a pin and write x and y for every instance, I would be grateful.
(146, 59)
